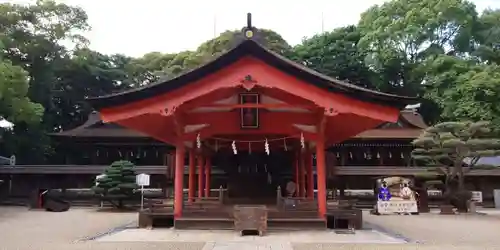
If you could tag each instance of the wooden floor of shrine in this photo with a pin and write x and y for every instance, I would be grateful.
(220, 216)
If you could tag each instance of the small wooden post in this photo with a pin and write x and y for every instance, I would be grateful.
(221, 194)
(200, 175)
(208, 167)
(310, 175)
(302, 175)
(278, 197)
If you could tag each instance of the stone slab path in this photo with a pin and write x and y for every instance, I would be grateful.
(86, 229)
(226, 240)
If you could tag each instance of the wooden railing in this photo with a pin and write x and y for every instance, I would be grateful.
(159, 206)
(205, 202)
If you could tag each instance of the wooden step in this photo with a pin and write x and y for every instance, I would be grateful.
(222, 223)
(296, 224)
(293, 214)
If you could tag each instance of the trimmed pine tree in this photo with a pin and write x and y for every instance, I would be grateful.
(118, 183)
(449, 146)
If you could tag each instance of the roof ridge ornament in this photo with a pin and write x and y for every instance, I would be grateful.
(248, 32)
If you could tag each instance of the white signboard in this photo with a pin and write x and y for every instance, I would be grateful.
(477, 196)
(142, 180)
(97, 178)
(402, 207)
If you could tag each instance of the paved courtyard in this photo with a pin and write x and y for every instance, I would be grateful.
(88, 229)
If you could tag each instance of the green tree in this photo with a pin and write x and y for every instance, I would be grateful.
(448, 146)
(155, 65)
(464, 90)
(400, 34)
(487, 37)
(85, 73)
(14, 103)
(337, 55)
(118, 183)
(31, 36)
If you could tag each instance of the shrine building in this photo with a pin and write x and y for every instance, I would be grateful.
(257, 115)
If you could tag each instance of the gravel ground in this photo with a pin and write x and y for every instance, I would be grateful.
(39, 230)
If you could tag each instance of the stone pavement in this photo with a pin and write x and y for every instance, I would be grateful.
(222, 240)
(84, 229)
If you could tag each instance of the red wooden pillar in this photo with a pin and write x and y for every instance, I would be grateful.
(321, 175)
(297, 173)
(302, 175)
(178, 182)
(310, 175)
(200, 175)
(208, 168)
(192, 175)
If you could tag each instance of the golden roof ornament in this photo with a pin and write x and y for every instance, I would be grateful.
(248, 32)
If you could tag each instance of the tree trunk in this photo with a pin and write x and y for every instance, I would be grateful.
(460, 171)
(423, 199)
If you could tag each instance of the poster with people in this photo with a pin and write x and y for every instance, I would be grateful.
(395, 196)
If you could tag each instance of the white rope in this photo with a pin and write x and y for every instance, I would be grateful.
(254, 141)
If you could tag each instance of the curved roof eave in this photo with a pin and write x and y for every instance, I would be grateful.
(252, 48)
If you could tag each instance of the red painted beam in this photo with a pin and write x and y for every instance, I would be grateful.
(266, 117)
(234, 129)
(286, 97)
(209, 98)
(256, 105)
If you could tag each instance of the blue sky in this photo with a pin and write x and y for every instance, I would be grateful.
(134, 27)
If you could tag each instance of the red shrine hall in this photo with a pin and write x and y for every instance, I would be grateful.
(255, 114)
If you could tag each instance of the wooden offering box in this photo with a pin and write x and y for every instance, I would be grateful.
(250, 218)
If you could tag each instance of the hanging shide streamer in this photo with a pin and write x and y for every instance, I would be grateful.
(233, 145)
(266, 147)
(266, 143)
(198, 141)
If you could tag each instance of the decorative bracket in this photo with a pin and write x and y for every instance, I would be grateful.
(168, 111)
(248, 82)
(331, 112)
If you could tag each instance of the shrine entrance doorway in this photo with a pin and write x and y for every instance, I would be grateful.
(253, 178)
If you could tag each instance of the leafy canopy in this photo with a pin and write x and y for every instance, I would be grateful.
(448, 144)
